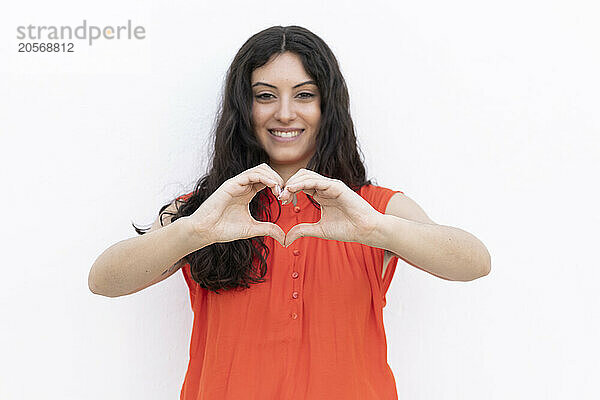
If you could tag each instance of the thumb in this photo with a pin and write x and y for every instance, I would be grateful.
(269, 229)
(301, 230)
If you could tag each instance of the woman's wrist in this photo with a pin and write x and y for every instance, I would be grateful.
(194, 236)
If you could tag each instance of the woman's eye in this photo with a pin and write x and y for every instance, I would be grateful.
(265, 96)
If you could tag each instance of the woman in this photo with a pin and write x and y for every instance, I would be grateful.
(301, 319)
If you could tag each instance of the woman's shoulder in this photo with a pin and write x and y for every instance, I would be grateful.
(378, 196)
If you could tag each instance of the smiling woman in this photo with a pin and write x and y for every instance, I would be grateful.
(282, 243)
(286, 112)
(286, 105)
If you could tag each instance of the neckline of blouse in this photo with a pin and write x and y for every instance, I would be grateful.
(303, 200)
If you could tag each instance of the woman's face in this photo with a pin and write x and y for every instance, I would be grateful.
(285, 98)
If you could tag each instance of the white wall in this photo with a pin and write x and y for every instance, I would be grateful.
(484, 113)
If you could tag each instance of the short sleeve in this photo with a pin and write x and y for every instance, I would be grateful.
(379, 197)
(191, 283)
(196, 292)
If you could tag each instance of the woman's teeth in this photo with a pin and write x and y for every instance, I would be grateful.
(286, 134)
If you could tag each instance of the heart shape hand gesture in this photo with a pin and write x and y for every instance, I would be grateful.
(225, 215)
(345, 215)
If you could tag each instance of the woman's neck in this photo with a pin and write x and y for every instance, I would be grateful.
(285, 171)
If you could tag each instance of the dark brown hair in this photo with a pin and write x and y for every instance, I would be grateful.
(237, 264)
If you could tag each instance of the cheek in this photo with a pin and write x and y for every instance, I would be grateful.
(316, 120)
(258, 116)
(315, 114)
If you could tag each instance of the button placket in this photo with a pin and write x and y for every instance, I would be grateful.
(295, 274)
(296, 252)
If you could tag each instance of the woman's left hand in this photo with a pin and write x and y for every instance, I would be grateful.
(345, 215)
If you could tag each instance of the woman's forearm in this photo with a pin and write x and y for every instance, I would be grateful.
(442, 250)
(130, 264)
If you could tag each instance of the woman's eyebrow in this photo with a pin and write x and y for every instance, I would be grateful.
(294, 87)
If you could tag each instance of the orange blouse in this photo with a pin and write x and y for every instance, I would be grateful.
(313, 330)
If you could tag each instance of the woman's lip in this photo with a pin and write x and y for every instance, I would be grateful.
(286, 129)
(284, 139)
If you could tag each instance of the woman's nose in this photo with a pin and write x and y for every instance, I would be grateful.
(285, 112)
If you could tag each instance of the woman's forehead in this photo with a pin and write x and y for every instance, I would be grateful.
(286, 68)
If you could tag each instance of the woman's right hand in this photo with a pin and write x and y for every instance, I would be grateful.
(225, 215)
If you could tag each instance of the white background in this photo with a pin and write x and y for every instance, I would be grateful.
(485, 113)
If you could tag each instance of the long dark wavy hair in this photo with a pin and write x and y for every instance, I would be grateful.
(239, 263)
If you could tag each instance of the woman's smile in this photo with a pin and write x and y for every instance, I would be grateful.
(282, 136)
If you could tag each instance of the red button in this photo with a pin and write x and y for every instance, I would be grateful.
(295, 295)
(296, 252)
(297, 209)
(294, 315)
(294, 275)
